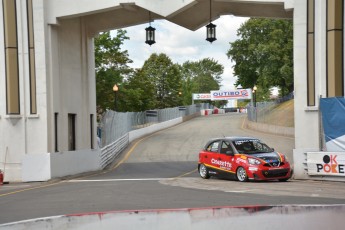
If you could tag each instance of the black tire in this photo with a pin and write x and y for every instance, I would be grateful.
(284, 180)
(203, 171)
(241, 174)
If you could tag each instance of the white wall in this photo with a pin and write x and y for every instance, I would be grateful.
(135, 134)
(24, 133)
(72, 163)
(287, 217)
(46, 166)
(306, 118)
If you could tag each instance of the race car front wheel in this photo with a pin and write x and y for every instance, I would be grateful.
(203, 172)
(241, 174)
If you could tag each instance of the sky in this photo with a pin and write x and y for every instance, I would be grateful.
(183, 45)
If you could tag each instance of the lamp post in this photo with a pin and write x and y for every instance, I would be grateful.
(115, 89)
(254, 94)
(254, 97)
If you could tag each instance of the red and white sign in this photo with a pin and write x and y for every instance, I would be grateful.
(326, 163)
(231, 94)
(201, 96)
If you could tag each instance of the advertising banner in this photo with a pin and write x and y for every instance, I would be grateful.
(231, 94)
(333, 122)
(201, 96)
(326, 163)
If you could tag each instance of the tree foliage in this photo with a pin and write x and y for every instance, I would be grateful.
(263, 55)
(200, 77)
(140, 92)
(111, 67)
(166, 79)
(159, 83)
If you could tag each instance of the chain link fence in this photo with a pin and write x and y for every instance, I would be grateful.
(115, 125)
(267, 112)
(113, 130)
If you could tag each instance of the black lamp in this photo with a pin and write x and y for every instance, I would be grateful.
(150, 33)
(211, 29)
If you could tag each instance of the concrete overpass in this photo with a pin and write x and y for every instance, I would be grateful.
(47, 94)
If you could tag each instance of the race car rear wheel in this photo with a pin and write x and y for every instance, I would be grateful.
(203, 171)
(241, 174)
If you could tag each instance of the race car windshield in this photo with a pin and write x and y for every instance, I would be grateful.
(251, 146)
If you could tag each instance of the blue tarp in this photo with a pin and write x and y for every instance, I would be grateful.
(333, 121)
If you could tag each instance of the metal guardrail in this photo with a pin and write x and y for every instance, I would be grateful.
(111, 151)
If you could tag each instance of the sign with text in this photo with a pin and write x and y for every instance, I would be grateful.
(201, 96)
(326, 163)
(231, 94)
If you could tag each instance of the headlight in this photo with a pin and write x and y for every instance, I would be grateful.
(284, 158)
(253, 161)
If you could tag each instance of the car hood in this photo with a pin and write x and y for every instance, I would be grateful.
(268, 157)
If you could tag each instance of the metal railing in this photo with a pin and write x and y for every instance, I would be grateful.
(114, 125)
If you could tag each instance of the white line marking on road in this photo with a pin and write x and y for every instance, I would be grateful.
(115, 180)
(241, 191)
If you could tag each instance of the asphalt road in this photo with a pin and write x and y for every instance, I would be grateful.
(159, 172)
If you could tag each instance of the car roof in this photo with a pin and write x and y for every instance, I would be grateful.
(231, 138)
(234, 138)
(240, 138)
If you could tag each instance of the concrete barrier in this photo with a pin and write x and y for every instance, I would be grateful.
(135, 134)
(267, 128)
(287, 217)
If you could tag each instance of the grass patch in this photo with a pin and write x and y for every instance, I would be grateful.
(281, 115)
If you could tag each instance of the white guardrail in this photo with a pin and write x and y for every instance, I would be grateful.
(286, 217)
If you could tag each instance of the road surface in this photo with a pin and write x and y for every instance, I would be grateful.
(159, 172)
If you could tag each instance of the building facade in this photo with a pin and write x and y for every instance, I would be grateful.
(47, 72)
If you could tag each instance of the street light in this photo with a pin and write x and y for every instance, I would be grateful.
(150, 33)
(254, 94)
(115, 89)
(211, 28)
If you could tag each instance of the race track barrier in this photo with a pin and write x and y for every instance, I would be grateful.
(286, 217)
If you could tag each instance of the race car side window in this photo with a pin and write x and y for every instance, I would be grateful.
(213, 147)
(226, 148)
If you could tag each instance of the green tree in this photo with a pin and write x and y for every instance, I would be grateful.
(140, 93)
(263, 55)
(111, 68)
(166, 78)
(200, 77)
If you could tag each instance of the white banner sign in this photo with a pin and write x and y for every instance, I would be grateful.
(326, 163)
(201, 96)
(231, 94)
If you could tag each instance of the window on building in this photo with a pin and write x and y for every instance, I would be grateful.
(91, 132)
(56, 116)
(32, 73)
(71, 132)
(335, 48)
(311, 53)
(11, 57)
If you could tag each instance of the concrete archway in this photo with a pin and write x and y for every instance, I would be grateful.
(62, 39)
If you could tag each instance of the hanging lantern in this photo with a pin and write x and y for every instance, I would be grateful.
(211, 32)
(150, 33)
(211, 28)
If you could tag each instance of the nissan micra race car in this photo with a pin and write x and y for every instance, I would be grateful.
(242, 158)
